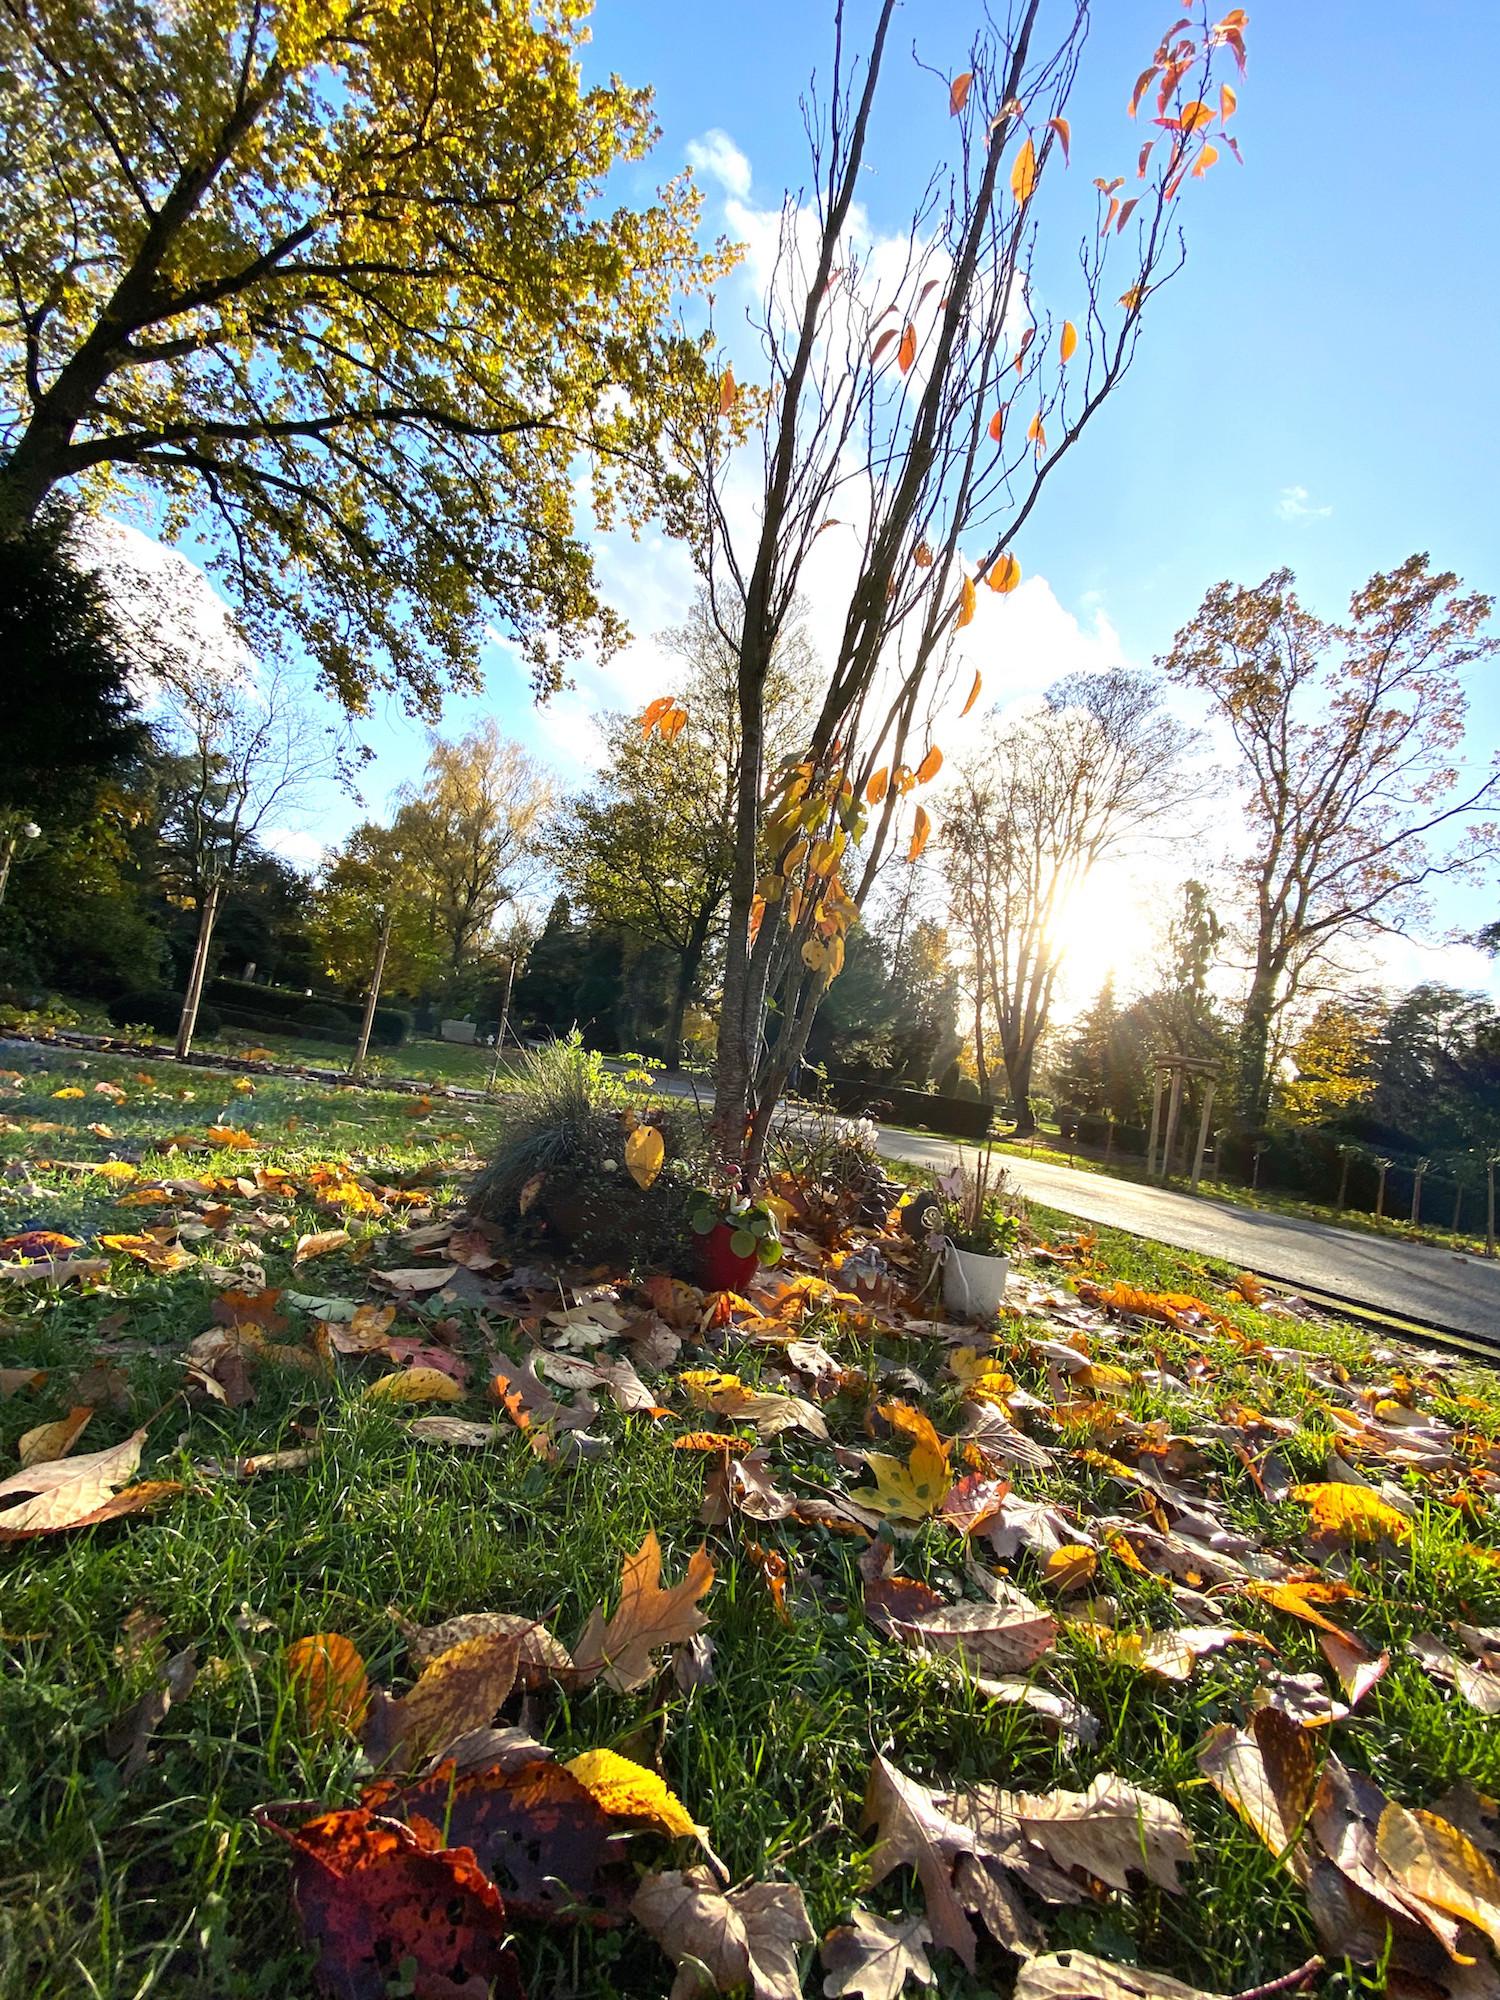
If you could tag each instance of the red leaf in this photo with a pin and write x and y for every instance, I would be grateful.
(1125, 213)
(371, 1893)
(1145, 154)
(886, 339)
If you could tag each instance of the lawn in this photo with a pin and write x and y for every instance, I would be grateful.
(1176, 1441)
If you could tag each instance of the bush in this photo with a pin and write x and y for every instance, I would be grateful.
(159, 1010)
(324, 1016)
(947, 1083)
(966, 1088)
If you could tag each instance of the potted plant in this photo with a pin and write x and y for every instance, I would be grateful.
(977, 1230)
(736, 1235)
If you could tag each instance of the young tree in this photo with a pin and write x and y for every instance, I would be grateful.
(920, 419)
(1333, 1060)
(1348, 736)
(467, 834)
(1098, 767)
(334, 284)
(649, 848)
(367, 882)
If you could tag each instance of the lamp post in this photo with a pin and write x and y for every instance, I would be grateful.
(11, 836)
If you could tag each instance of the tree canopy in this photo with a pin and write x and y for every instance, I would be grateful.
(333, 282)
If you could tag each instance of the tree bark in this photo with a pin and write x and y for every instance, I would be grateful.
(1018, 1065)
(1253, 1084)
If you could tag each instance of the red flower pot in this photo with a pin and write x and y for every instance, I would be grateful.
(723, 1269)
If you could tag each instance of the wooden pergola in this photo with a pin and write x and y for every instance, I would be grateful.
(1172, 1071)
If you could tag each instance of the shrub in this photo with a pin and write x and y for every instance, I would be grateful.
(967, 1089)
(159, 1010)
(325, 1016)
(947, 1083)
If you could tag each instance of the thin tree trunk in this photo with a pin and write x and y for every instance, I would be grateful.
(207, 916)
(362, 1047)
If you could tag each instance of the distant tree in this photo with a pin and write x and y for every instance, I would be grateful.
(855, 1027)
(337, 288)
(649, 846)
(924, 1034)
(1333, 1062)
(1098, 767)
(70, 716)
(366, 880)
(468, 834)
(1349, 739)
(1434, 1080)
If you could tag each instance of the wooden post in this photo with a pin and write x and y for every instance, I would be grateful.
(1458, 1204)
(1384, 1166)
(1489, 1215)
(207, 916)
(510, 980)
(1174, 1105)
(362, 1047)
(1343, 1194)
(1202, 1145)
(1109, 1137)
(1157, 1121)
(1416, 1190)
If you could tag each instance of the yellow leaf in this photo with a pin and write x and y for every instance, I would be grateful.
(1068, 340)
(958, 92)
(1023, 174)
(415, 1385)
(116, 1170)
(1352, 1511)
(930, 765)
(1227, 102)
(55, 1440)
(629, 1791)
(329, 1676)
(814, 954)
(1005, 574)
(973, 697)
(232, 1137)
(1037, 432)
(645, 1151)
(907, 1491)
(68, 1090)
(966, 603)
(1439, 1865)
(1301, 1597)
(1071, 1566)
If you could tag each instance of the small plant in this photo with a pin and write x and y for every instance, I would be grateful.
(980, 1211)
(753, 1223)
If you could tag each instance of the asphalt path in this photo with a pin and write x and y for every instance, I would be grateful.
(1413, 1280)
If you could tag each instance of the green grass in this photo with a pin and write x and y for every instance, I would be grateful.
(167, 1888)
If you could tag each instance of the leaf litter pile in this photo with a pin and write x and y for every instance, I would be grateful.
(481, 1626)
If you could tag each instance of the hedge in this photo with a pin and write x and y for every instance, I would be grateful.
(281, 1008)
(959, 1117)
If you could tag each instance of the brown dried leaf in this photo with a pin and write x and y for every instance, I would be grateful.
(322, 1244)
(1438, 1865)
(541, 1657)
(744, 1939)
(55, 1440)
(130, 1737)
(622, 1649)
(1269, 1774)
(869, 1959)
(63, 1493)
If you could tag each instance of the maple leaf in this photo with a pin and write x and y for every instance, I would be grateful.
(372, 1894)
(648, 1617)
(869, 1959)
(744, 1939)
(910, 1489)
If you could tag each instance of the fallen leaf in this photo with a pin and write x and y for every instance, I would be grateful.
(320, 1245)
(1269, 1773)
(328, 1675)
(1438, 1864)
(452, 1430)
(415, 1385)
(16, 1381)
(744, 1939)
(130, 1737)
(1351, 1513)
(373, 1895)
(1078, 1975)
(541, 1657)
(421, 1278)
(461, 1690)
(629, 1791)
(870, 1959)
(623, 1648)
(54, 1440)
(64, 1492)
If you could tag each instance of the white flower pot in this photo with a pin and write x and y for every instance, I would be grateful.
(973, 1284)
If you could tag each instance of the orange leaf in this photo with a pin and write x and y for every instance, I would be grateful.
(906, 353)
(973, 697)
(1205, 160)
(879, 784)
(332, 1686)
(966, 602)
(654, 713)
(958, 92)
(671, 723)
(728, 390)
(1068, 340)
(1023, 174)
(930, 765)
(648, 1617)
(1227, 102)
(1139, 92)
(921, 555)
(1005, 574)
(997, 425)
(921, 828)
(1195, 116)
(1036, 431)
(1141, 159)
(1064, 133)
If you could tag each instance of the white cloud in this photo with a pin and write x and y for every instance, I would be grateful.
(717, 155)
(303, 850)
(1295, 503)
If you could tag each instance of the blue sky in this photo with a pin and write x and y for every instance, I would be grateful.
(1317, 389)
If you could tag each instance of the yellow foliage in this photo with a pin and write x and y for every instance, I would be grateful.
(630, 1791)
(415, 1385)
(1352, 1511)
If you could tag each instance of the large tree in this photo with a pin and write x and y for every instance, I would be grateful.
(1052, 792)
(917, 412)
(333, 284)
(1355, 796)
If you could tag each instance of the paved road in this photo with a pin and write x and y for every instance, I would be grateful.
(1413, 1280)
